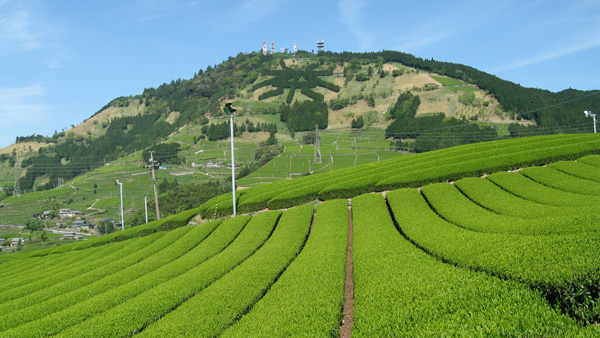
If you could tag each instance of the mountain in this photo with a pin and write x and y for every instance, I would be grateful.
(422, 104)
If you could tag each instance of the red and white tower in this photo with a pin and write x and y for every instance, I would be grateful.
(295, 49)
(272, 47)
(264, 49)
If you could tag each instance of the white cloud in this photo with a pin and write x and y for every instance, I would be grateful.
(157, 9)
(17, 105)
(550, 54)
(17, 28)
(352, 15)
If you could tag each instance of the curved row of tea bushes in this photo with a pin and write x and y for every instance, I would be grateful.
(142, 251)
(492, 197)
(166, 223)
(136, 313)
(400, 291)
(36, 268)
(183, 242)
(578, 169)
(526, 188)
(118, 251)
(352, 181)
(308, 298)
(56, 322)
(446, 164)
(215, 308)
(562, 181)
(593, 160)
(412, 171)
(566, 258)
(451, 205)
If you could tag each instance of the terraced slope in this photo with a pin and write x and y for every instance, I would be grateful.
(411, 171)
(508, 254)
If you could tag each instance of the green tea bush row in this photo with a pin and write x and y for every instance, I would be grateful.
(566, 258)
(126, 318)
(560, 180)
(161, 252)
(400, 291)
(166, 223)
(35, 268)
(526, 188)
(309, 296)
(56, 322)
(215, 308)
(96, 262)
(492, 197)
(578, 169)
(591, 160)
(416, 170)
(143, 249)
(450, 204)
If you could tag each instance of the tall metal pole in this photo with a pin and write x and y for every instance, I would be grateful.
(146, 207)
(231, 110)
(154, 185)
(232, 165)
(121, 194)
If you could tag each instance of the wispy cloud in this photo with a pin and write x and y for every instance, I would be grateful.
(16, 105)
(563, 50)
(150, 10)
(352, 15)
(18, 29)
(249, 12)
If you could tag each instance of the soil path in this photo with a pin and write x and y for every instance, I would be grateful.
(348, 320)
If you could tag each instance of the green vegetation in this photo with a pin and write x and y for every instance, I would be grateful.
(446, 81)
(402, 291)
(308, 297)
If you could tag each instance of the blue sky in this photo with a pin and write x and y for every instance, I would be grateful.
(61, 61)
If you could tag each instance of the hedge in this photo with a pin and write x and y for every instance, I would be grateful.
(400, 291)
(309, 296)
(212, 310)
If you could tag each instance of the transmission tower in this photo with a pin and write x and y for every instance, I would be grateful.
(317, 147)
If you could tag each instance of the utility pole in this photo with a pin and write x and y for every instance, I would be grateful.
(16, 192)
(230, 110)
(152, 165)
(317, 146)
(146, 207)
(121, 194)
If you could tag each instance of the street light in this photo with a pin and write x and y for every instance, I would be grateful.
(121, 193)
(588, 114)
(230, 111)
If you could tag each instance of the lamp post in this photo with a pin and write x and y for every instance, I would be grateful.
(121, 193)
(588, 114)
(230, 111)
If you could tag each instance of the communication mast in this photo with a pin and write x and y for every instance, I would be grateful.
(264, 48)
(272, 47)
(317, 146)
(295, 49)
(320, 45)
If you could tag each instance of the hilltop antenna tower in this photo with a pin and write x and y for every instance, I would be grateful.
(272, 47)
(320, 45)
(264, 48)
(317, 146)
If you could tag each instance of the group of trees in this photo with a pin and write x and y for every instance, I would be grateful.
(220, 131)
(406, 106)
(304, 79)
(302, 116)
(433, 132)
(163, 153)
(358, 123)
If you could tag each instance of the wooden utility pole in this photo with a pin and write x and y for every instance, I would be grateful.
(152, 165)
